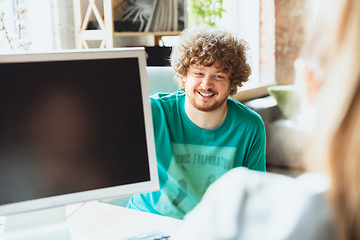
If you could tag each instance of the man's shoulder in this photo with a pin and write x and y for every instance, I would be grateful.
(166, 101)
(242, 112)
(167, 97)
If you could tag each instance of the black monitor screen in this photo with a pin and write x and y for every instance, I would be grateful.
(70, 126)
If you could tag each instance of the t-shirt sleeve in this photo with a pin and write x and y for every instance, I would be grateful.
(156, 115)
(255, 159)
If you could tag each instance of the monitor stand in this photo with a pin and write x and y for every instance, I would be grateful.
(38, 225)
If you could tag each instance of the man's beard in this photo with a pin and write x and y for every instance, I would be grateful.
(208, 107)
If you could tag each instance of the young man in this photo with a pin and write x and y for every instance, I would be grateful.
(201, 133)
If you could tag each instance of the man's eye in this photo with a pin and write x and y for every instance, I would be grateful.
(198, 73)
(219, 77)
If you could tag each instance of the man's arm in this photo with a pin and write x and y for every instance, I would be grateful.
(256, 159)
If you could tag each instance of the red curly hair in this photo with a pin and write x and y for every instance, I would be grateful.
(207, 45)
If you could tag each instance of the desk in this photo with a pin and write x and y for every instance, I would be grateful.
(96, 220)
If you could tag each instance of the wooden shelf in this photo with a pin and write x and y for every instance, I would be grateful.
(100, 34)
(131, 34)
(106, 34)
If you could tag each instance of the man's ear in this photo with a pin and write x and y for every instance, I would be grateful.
(312, 85)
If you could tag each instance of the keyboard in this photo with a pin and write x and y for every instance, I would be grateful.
(151, 236)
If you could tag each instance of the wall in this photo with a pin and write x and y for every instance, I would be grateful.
(289, 36)
(66, 22)
(267, 41)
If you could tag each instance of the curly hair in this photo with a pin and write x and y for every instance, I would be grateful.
(207, 45)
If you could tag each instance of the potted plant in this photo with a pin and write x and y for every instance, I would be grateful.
(204, 11)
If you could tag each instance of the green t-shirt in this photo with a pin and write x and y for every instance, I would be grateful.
(191, 158)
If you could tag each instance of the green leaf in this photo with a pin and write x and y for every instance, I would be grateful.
(207, 10)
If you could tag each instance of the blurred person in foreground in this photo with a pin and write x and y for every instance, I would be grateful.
(324, 204)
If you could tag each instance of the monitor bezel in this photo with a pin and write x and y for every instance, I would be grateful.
(104, 193)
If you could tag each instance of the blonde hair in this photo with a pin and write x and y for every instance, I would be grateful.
(332, 50)
(205, 46)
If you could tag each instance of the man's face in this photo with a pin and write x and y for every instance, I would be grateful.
(207, 88)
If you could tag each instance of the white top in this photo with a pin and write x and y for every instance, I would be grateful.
(250, 205)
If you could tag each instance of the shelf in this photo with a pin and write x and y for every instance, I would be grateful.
(160, 34)
(106, 34)
(100, 34)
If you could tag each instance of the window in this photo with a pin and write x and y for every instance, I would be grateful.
(254, 21)
(40, 21)
(242, 18)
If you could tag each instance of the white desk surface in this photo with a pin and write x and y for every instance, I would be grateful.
(96, 220)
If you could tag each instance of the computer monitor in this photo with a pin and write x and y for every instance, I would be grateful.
(74, 126)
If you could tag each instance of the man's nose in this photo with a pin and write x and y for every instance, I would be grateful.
(207, 82)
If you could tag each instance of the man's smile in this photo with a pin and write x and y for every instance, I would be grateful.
(207, 95)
